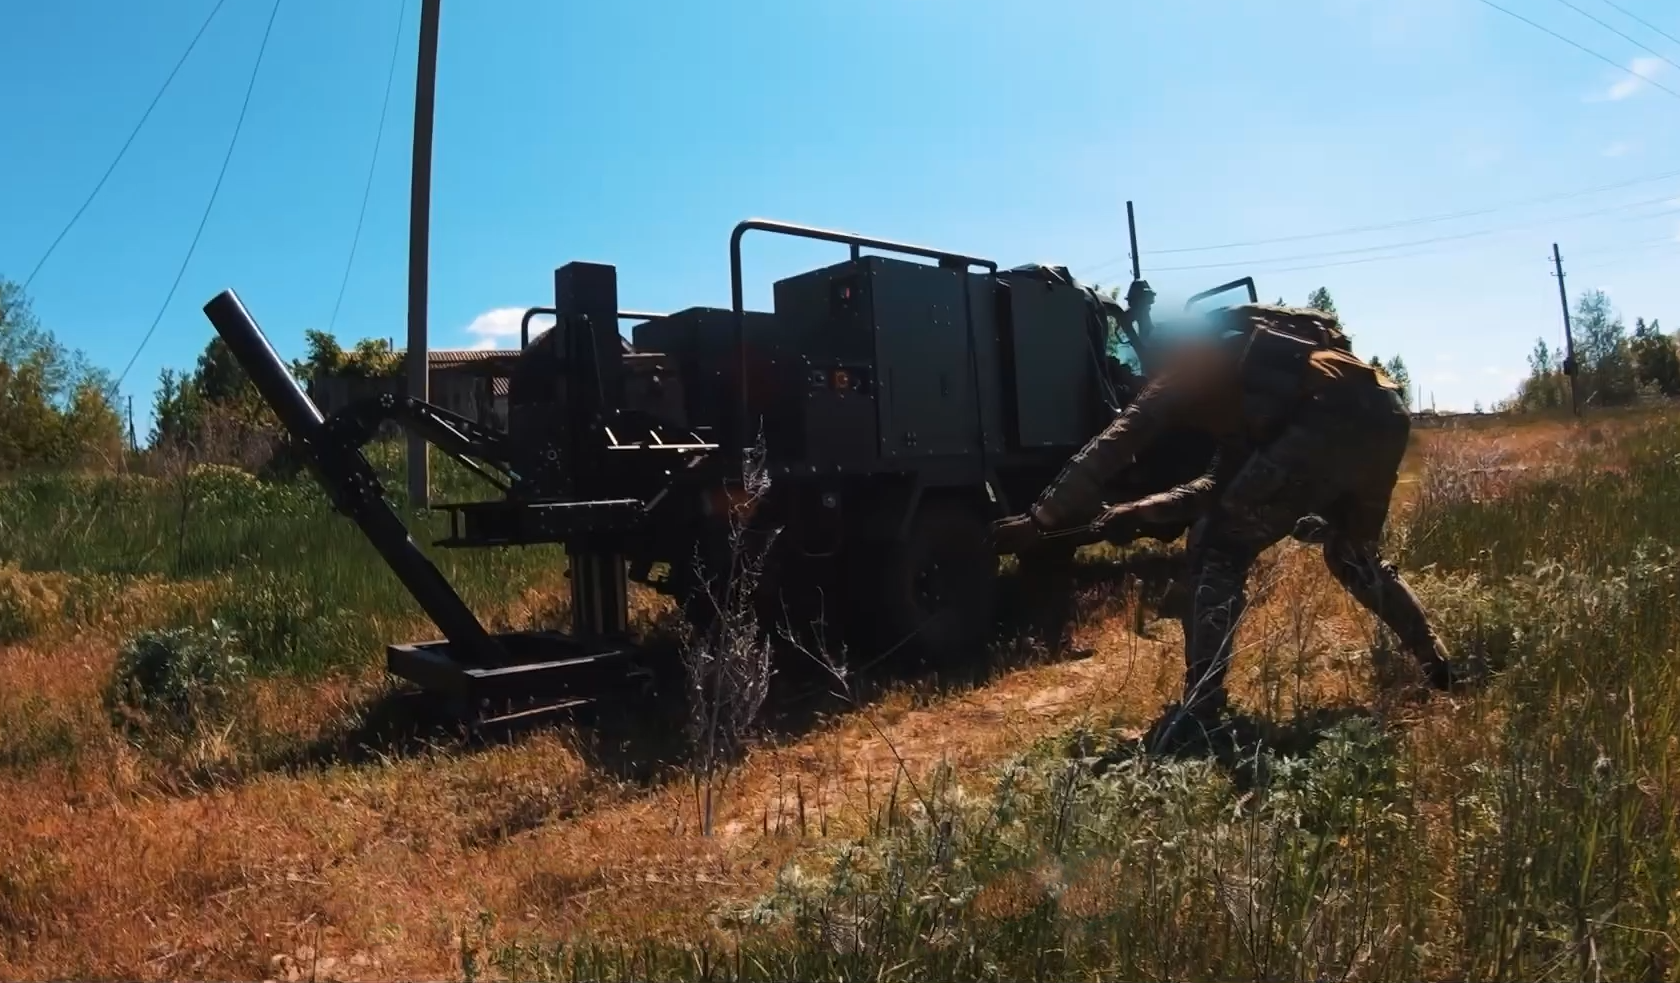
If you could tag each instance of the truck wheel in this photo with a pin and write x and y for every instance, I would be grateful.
(938, 587)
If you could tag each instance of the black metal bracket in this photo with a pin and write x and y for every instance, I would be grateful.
(1247, 281)
(530, 312)
(460, 437)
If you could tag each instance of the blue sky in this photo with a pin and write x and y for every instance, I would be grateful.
(638, 133)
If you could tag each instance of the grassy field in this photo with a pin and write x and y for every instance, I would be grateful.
(266, 817)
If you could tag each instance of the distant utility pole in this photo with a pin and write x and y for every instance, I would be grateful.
(1568, 334)
(419, 229)
(1131, 233)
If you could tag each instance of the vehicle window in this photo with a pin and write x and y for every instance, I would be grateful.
(1120, 347)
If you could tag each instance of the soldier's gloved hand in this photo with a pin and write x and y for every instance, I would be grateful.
(1119, 523)
(1313, 529)
(1016, 534)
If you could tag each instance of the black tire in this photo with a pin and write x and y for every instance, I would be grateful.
(938, 587)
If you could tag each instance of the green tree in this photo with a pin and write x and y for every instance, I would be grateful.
(1606, 359)
(1655, 358)
(214, 412)
(371, 358)
(219, 375)
(1320, 300)
(1395, 369)
(178, 412)
(1546, 388)
(56, 410)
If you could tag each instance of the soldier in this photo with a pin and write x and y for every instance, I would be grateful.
(1308, 434)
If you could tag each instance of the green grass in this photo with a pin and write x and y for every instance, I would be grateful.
(299, 582)
(1143, 872)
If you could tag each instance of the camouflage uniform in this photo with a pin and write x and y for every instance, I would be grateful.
(1306, 429)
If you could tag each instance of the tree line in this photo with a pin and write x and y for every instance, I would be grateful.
(1612, 366)
(59, 411)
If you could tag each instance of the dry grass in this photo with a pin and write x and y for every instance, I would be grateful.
(408, 866)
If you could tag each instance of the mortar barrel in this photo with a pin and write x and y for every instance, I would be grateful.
(268, 373)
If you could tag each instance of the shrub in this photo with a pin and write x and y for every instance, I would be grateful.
(222, 483)
(15, 623)
(279, 624)
(175, 682)
(24, 601)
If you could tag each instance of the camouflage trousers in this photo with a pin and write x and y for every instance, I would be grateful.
(1340, 463)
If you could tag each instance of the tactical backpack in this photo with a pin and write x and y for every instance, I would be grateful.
(1275, 345)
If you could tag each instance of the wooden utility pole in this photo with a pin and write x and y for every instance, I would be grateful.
(1568, 334)
(419, 241)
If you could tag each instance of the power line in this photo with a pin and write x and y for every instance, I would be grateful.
(1635, 17)
(1647, 246)
(1619, 34)
(367, 189)
(1397, 224)
(1415, 242)
(1665, 245)
(1640, 245)
(214, 191)
(1576, 44)
(126, 143)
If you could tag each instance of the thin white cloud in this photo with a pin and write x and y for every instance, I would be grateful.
(493, 327)
(1627, 86)
(1621, 148)
(1624, 88)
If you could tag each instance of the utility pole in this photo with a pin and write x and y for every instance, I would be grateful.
(1568, 334)
(419, 240)
(1131, 234)
(133, 444)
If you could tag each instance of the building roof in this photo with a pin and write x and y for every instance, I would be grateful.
(439, 358)
(480, 359)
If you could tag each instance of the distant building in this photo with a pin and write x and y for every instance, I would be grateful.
(470, 381)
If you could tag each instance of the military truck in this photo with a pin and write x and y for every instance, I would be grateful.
(885, 410)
